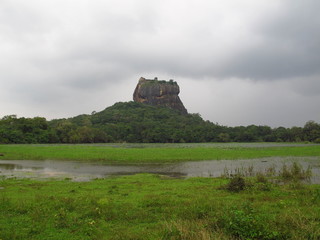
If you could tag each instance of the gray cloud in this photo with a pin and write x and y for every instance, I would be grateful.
(306, 86)
(288, 45)
(62, 58)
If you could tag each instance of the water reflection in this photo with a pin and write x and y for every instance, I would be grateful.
(7, 166)
(13, 166)
(84, 171)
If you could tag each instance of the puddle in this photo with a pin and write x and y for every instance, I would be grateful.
(84, 171)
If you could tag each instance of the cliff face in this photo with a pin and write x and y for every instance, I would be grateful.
(159, 93)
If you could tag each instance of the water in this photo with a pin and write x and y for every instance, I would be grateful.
(85, 171)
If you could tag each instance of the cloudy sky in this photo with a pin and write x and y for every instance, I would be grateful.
(237, 62)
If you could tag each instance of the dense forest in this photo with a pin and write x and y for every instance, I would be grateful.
(141, 123)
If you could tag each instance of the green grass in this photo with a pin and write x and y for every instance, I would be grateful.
(155, 153)
(150, 207)
(147, 206)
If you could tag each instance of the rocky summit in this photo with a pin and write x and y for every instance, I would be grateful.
(159, 93)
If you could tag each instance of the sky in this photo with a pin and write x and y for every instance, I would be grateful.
(237, 62)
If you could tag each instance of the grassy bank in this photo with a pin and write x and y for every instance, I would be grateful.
(154, 207)
(155, 153)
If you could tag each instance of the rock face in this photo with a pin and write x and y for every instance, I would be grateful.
(159, 93)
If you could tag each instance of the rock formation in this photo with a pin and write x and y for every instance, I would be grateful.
(159, 93)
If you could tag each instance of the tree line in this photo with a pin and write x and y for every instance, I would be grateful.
(141, 123)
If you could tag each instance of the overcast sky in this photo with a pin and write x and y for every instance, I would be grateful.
(237, 62)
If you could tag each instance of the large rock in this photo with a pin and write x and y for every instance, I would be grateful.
(159, 93)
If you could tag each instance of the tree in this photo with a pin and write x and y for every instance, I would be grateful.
(137, 122)
(311, 131)
(224, 137)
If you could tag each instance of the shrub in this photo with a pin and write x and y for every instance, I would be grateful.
(261, 178)
(295, 172)
(246, 223)
(236, 184)
(317, 140)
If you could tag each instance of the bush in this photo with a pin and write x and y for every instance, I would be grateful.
(236, 184)
(246, 223)
(261, 178)
(295, 172)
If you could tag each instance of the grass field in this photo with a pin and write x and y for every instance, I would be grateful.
(155, 153)
(148, 207)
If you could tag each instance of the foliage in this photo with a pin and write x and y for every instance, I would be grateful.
(141, 123)
(156, 81)
(247, 223)
(148, 206)
(247, 179)
(236, 184)
(295, 172)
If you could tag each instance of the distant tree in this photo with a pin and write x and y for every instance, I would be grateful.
(64, 130)
(281, 134)
(311, 131)
(137, 122)
(224, 137)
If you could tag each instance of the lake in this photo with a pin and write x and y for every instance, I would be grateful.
(85, 171)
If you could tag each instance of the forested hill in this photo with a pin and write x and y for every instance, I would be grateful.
(137, 122)
(133, 122)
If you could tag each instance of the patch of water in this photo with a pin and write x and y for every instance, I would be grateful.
(85, 171)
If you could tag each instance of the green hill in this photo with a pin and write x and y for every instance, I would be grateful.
(142, 123)
(134, 122)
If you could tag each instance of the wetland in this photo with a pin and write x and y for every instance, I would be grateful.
(85, 171)
(159, 191)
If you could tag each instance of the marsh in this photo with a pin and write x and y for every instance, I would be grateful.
(85, 171)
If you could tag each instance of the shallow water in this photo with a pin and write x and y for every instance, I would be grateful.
(84, 171)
